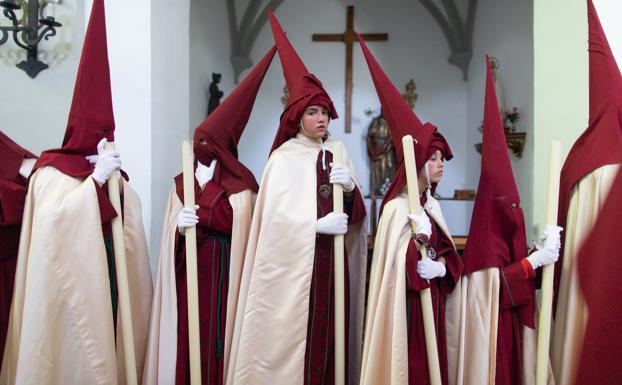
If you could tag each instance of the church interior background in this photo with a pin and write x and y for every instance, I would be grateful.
(163, 54)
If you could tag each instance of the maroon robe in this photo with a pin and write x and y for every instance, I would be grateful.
(12, 198)
(418, 373)
(213, 251)
(517, 292)
(320, 347)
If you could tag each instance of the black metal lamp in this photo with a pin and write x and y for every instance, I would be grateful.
(29, 35)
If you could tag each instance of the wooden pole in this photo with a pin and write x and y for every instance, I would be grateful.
(125, 308)
(548, 271)
(426, 296)
(191, 267)
(340, 314)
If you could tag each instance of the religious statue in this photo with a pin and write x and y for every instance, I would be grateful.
(494, 66)
(410, 95)
(285, 96)
(214, 93)
(381, 155)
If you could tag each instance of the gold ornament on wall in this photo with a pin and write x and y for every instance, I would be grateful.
(410, 95)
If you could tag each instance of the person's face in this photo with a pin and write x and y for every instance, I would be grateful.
(315, 121)
(435, 166)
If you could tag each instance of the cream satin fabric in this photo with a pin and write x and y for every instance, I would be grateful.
(385, 349)
(587, 197)
(61, 327)
(161, 355)
(471, 317)
(269, 339)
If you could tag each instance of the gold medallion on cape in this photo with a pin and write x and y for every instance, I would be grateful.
(325, 190)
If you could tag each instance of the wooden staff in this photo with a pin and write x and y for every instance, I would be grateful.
(340, 315)
(548, 271)
(122, 281)
(426, 297)
(191, 267)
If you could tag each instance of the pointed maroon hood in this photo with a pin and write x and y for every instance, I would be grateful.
(402, 121)
(304, 88)
(91, 117)
(601, 143)
(497, 232)
(217, 137)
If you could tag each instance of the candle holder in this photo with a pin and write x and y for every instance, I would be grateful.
(28, 33)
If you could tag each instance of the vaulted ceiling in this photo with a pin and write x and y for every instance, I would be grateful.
(455, 18)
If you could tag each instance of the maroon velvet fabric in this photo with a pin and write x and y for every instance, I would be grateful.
(517, 292)
(320, 347)
(91, 117)
(304, 88)
(402, 121)
(599, 267)
(600, 143)
(11, 157)
(417, 356)
(217, 137)
(213, 252)
(12, 196)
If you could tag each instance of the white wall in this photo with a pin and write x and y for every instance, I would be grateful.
(609, 13)
(169, 105)
(510, 40)
(129, 51)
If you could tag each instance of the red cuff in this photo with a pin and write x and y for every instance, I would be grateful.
(529, 271)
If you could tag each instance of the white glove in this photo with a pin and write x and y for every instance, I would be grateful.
(549, 238)
(428, 269)
(333, 224)
(91, 158)
(187, 217)
(26, 168)
(543, 257)
(548, 247)
(423, 224)
(204, 173)
(340, 173)
(107, 162)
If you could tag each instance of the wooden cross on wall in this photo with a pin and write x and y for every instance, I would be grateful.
(349, 37)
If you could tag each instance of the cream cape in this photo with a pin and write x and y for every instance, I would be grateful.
(587, 197)
(161, 359)
(61, 327)
(385, 349)
(271, 326)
